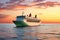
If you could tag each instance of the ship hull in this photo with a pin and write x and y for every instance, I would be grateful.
(20, 23)
(25, 23)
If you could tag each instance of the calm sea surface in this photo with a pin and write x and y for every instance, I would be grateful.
(42, 32)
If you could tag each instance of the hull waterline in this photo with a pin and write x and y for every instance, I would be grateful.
(20, 24)
(25, 23)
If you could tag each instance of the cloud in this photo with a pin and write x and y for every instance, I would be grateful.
(11, 4)
(3, 1)
(53, 0)
(38, 0)
(3, 16)
(6, 18)
(46, 3)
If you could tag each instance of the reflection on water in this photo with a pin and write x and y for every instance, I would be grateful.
(42, 32)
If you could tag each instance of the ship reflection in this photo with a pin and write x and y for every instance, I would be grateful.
(35, 33)
(43, 32)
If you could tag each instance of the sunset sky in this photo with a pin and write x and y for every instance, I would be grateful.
(47, 10)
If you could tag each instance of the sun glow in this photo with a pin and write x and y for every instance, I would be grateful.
(50, 14)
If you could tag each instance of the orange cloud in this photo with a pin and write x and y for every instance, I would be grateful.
(6, 18)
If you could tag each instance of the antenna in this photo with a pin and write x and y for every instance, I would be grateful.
(22, 13)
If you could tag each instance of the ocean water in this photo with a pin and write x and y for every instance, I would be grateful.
(42, 32)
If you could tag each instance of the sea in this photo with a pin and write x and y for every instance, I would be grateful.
(42, 32)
